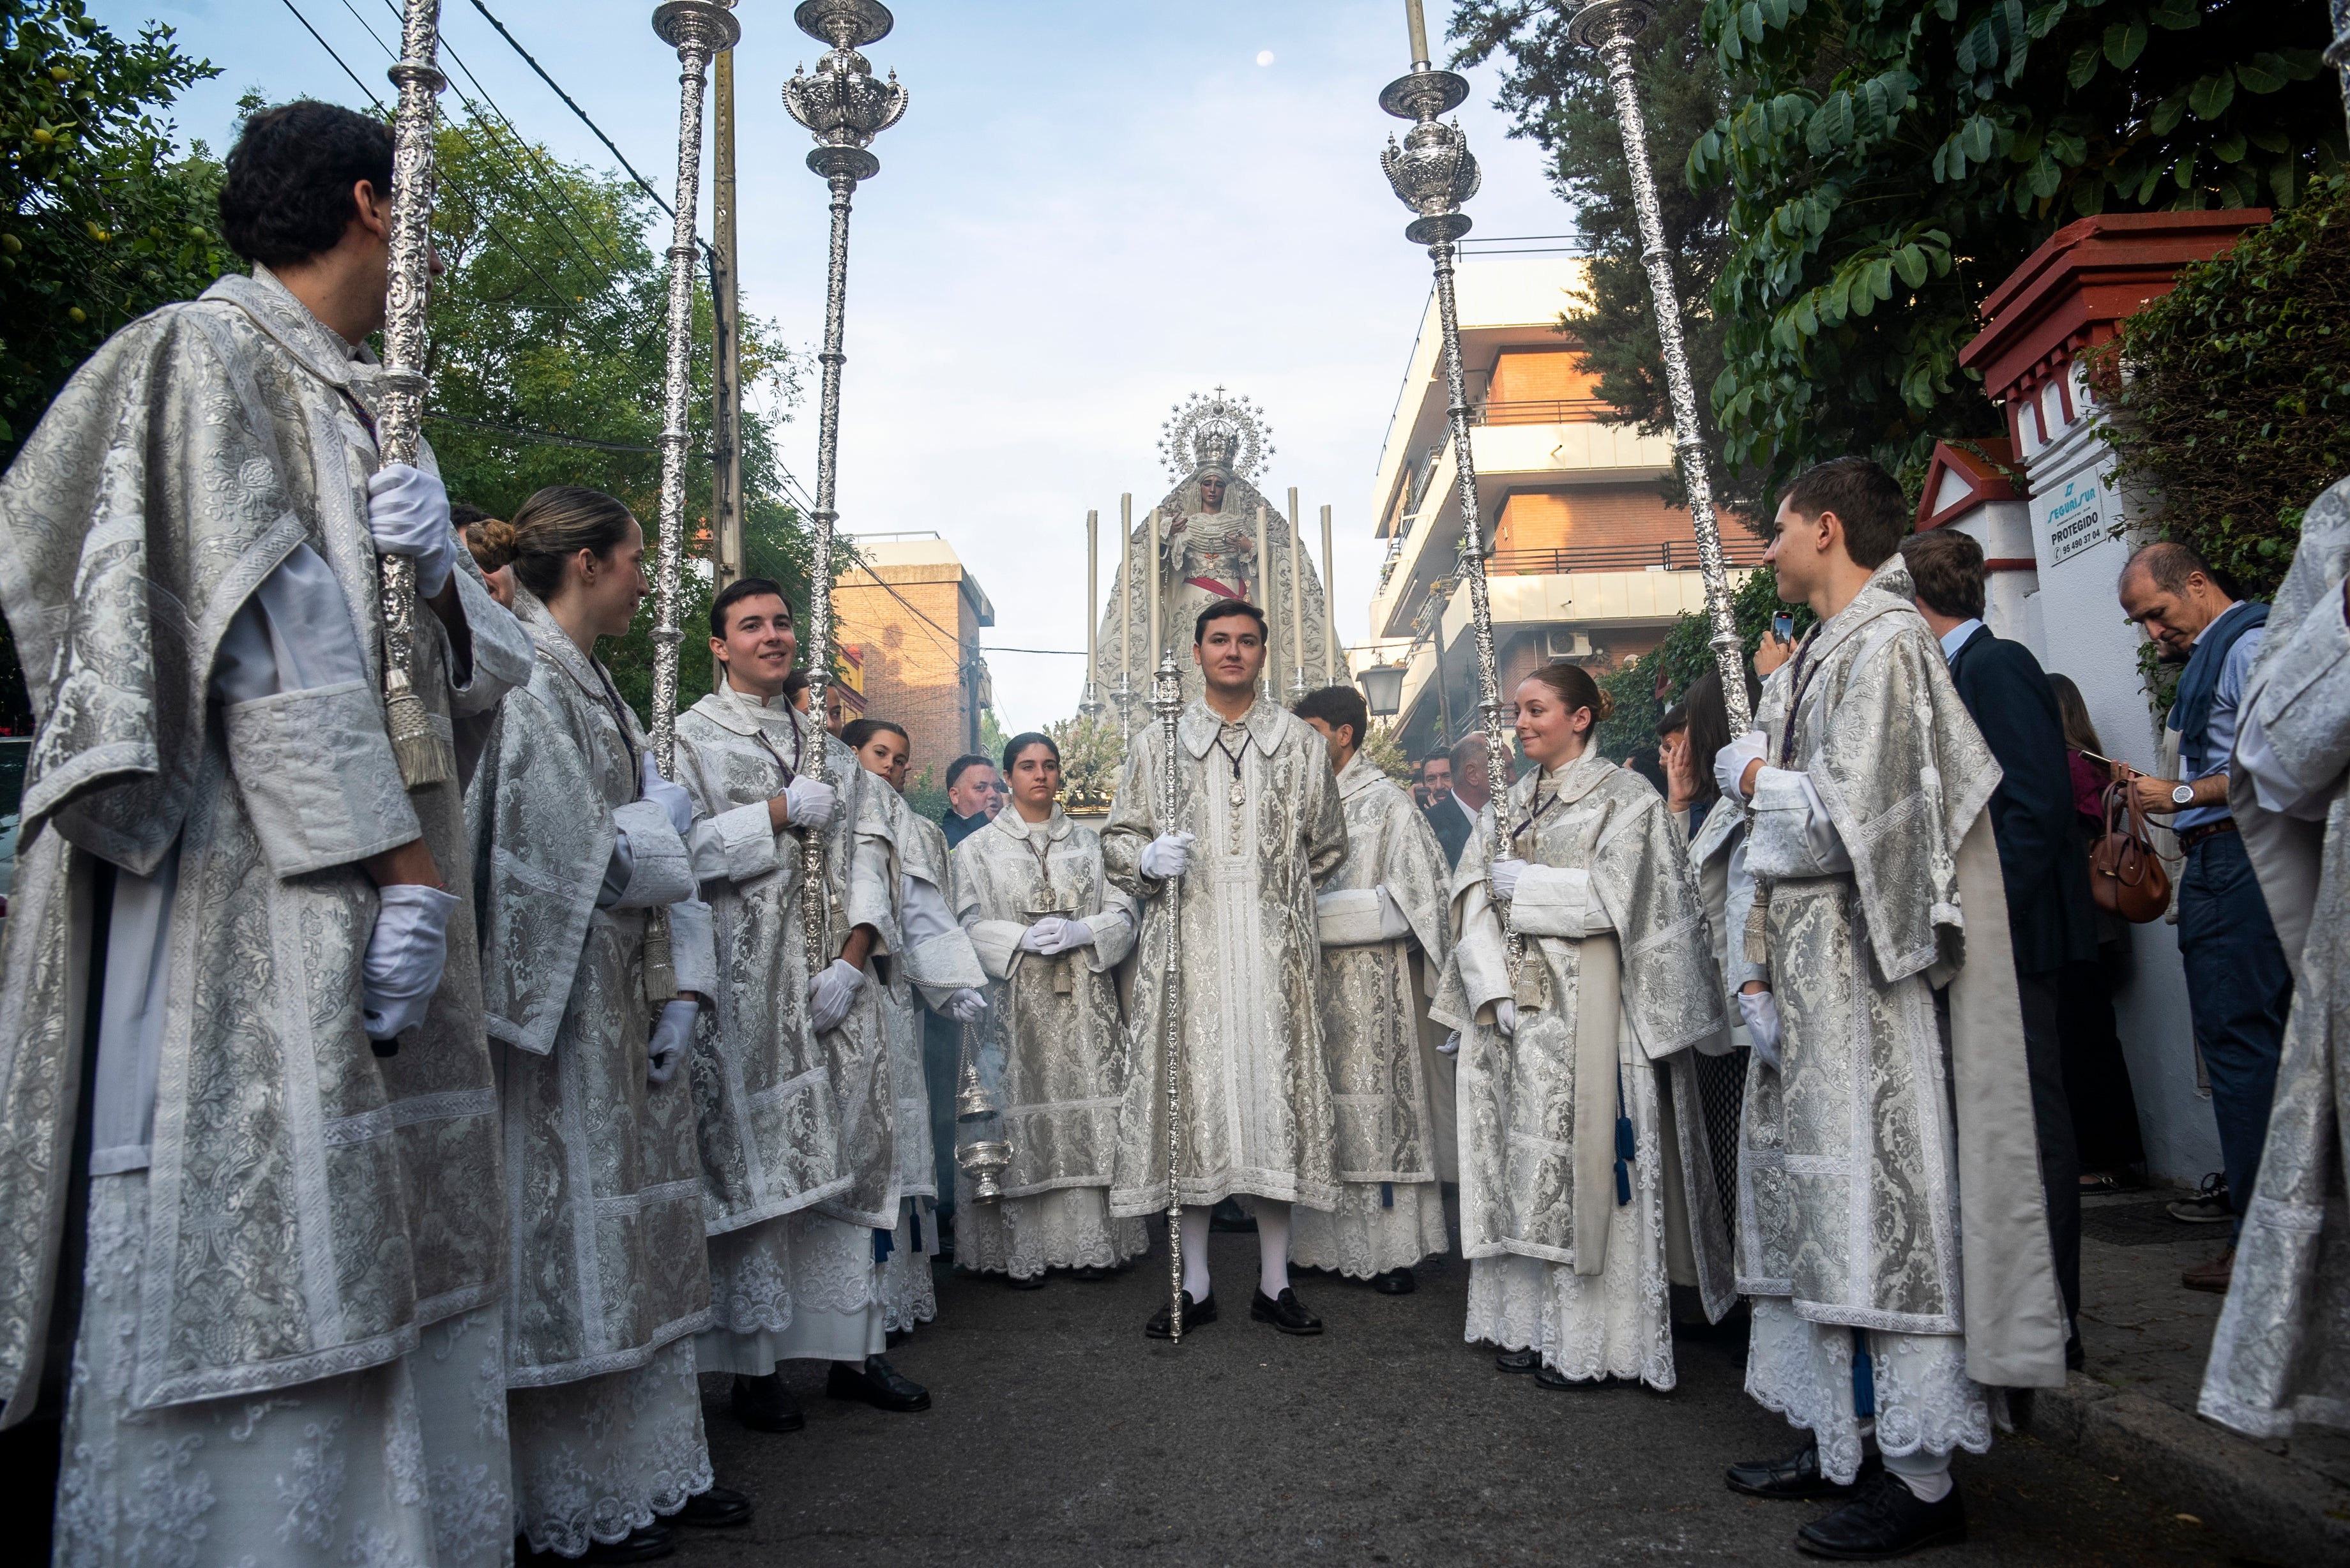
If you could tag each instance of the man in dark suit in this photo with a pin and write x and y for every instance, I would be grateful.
(2049, 916)
(1456, 791)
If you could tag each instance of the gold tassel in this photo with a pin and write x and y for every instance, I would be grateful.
(423, 755)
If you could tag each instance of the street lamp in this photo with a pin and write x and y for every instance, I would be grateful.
(1383, 689)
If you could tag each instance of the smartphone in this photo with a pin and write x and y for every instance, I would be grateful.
(1783, 626)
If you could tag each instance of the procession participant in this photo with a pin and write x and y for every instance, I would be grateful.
(1583, 1184)
(2279, 1356)
(909, 1295)
(223, 896)
(973, 797)
(1385, 939)
(579, 838)
(1257, 830)
(766, 1111)
(1030, 889)
(1884, 1178)
(490, 541)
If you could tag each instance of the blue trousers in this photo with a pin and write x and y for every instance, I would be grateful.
(2238, 990)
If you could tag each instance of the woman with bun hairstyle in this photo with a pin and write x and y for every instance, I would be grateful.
(1051, 932)
(491, 542)
(1584, 1183)
(578, 840)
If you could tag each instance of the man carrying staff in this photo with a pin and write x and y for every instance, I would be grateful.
(1231, 878)
(1384, 933)
(248, 1134)
(1895, 1246)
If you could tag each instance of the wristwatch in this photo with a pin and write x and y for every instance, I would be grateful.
(2183, 796)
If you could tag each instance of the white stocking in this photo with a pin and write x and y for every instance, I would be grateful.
(1195, 1250)
(1925, 1472)
(1272, 1247)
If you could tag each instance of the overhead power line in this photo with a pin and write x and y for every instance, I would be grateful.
(331, 55)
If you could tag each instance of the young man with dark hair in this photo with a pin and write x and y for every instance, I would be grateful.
(974, 795)
(2239, 985)
(2049, 916)
(1257, 831)
(1384, 930)
(216, 825)
(1879, 1167)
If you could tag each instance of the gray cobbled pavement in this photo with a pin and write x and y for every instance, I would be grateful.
(1059, 1435)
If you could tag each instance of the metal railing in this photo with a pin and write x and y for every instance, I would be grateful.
(1670, 556)
(1541, 411)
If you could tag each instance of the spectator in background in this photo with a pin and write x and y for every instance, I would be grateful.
(973, 797)
(2239, 987)
(1454, 818)
(1435, 780)
(2097, 1077)
(1418, 785)
(491, 541)
(2050, 920)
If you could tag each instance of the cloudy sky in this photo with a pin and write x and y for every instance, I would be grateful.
(1091, 209)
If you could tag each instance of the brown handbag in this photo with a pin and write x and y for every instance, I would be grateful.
(2125, 874)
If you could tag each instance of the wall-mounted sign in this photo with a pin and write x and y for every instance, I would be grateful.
(2076, 519)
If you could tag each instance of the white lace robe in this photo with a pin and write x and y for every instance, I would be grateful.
(1386, 1077)
(1564, 1258)
(1255, 1082)
(1053, 1051)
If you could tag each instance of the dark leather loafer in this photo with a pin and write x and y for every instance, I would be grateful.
(1524, 1360)
(720, 1508)
(1793, 1478)
(1395, 1282)
(1196, 1315)
(1032, 1283)
(1284, 1312)
(876, 1384)
(764, 1405)
(1884, 1519)
(1551, 1377)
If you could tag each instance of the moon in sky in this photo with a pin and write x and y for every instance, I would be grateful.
(1264, 56)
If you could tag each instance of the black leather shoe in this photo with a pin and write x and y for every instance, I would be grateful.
(1551, 1377)
(877, 1384)
(1033, 1282)
(1524, 1360)
(1196, 1315)
(1884, 1519)
(764, 1405)
(1284, 1312)
(720, 1508)
(1793, 1478)
(1395, 1282)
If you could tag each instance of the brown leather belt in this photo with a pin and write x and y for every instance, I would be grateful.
(2194, 836)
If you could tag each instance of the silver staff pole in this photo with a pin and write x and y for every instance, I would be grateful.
(1167, 702)
(1434, 174)
(845, 109)
(1609, 27)
(424, 757)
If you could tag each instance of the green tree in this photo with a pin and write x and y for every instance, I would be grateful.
(1891, 162)
(1559, 99)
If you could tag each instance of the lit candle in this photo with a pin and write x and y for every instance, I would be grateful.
(1296, 592)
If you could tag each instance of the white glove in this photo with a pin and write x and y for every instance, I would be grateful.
(1506, 877)
(1068, 936)
(408, 514)
(830, 994)
(671, 1036)
(672, 798)
(1762, 1011)
(808, 803)
(1168, 855)
(1505, 1016)
(965, 1005)
(1730, 763)
(1451, 1046)
(405, 954)
(1037, 938)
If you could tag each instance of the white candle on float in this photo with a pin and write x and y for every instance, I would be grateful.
(1152, 567)
(1296, 592)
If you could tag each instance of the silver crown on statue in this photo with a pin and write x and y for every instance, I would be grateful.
(1213, 430)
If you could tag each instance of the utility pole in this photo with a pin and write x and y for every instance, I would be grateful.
(726, 357)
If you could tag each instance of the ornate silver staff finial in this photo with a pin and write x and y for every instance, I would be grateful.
(1608, 26)
(844, 108)
(1433, 173)
(696, 29)
(1167, 702)
(424, 757)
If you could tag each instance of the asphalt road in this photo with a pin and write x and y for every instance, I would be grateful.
(1060, 1436)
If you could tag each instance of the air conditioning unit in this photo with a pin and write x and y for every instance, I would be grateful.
(1560, 643)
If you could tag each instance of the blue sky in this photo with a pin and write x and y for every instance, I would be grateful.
(1089, 209)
